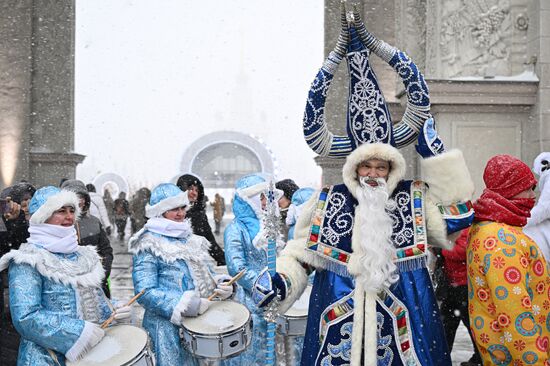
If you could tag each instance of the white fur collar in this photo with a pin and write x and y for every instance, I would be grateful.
(374, 151)
(86, 271)
(195, 248)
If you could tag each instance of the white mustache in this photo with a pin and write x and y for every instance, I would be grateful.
(364, 181)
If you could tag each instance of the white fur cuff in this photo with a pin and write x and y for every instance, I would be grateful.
(188, 304)
(90, 336)
(448, 177)
(296, 274)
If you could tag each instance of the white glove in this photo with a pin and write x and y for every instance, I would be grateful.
(223, 291)
(93, 333)
(123, 313)
(204, 305)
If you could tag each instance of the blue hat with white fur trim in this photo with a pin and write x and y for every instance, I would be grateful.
(49, 199)
(165, 197)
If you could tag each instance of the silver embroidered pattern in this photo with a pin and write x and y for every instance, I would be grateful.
(87, 302)
(341, 350)
(400, 237)
(384, 343)
(368, 119)
(343, 222)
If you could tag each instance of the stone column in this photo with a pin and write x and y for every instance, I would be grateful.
(15, 84)
(537, 138)
(52, 117)
(37, 91)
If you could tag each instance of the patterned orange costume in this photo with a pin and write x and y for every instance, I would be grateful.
(509, 295)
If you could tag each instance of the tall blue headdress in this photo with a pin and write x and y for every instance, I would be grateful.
(368, 117)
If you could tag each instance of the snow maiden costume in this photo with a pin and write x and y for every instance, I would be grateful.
(245, 247)
(55, 287)
(372, 301)
(174, 268)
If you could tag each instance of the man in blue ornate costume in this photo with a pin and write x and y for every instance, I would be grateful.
(174, 268)
(372, 301)
(56, 298)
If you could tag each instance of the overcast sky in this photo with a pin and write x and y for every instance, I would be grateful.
(154, 76)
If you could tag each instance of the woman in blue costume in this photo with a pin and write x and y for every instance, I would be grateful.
(56, 298)
(299, 198)
(174, 268)
(245, 248)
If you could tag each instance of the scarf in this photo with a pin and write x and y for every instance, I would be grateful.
(53, 238)
(173, 229)
(492, 206)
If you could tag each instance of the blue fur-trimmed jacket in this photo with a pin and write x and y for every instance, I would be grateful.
(51, 297)
(170, 270)
(402, 321)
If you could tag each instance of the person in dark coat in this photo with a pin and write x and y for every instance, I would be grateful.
(122, 212)
(452, 292)
(197, 214)
(14, 225)
(288, 186)
(90, 230)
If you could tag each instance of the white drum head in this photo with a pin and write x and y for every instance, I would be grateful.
(221, 317)
(300, 307)
(121, 344)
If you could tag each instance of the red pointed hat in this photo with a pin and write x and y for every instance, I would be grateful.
(508, 176)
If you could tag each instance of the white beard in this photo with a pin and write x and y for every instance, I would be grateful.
(378, 267)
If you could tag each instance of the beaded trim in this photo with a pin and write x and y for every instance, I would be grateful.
(328, 252)
(456, 210)
(418, 249)
(402, 333)
(335, 312)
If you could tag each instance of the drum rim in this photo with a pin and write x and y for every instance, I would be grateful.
(229, 332)
(216, 335)
(142, 353)
(249, 341)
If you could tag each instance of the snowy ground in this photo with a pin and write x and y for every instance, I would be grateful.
(121, 288)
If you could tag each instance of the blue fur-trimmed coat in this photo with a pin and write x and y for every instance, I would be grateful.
(405, 316)
(170, 270)
(51, 297)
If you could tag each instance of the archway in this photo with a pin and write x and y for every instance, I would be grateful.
(221, 158)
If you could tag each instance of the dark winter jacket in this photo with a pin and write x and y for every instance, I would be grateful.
(91, 232)
(197, 215)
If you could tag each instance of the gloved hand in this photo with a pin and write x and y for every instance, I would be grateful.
(96, 334)
(429, 142)
(266, 287)
(204, 305)
(223, 290)
(123, 313)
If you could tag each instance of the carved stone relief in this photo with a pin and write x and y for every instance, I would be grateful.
(411, 25)
(475, 38)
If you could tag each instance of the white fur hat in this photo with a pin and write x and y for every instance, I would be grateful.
(379, 151)
(47, 200)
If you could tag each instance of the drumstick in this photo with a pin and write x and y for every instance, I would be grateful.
(106, 323)
(230, 282)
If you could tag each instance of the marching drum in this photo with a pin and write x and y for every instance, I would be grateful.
(123, 345)
(223, 331)
(294, 321)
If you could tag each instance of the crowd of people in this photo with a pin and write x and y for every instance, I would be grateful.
(360, 248)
